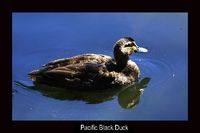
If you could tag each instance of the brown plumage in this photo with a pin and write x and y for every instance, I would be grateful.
(92, 70)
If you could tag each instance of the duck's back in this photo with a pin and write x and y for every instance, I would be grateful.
(80, 71)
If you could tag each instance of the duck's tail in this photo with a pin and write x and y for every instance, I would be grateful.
(34, 74)
(38, 73)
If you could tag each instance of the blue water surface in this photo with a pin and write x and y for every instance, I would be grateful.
(38, 38)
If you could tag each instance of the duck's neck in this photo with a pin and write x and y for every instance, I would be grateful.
(121, 60)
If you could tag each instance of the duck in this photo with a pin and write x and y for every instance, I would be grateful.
(92, 71)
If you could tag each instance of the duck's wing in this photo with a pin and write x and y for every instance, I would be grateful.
(84, 58)
(78, 70)
(75, 75)
(67, 64)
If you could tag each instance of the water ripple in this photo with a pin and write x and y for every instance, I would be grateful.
(158, 70)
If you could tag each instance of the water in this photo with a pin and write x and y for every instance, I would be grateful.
(42, 37)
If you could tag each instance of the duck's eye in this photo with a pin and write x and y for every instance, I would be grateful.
(128, 45)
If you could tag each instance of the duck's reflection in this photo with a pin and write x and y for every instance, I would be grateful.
(128, 97)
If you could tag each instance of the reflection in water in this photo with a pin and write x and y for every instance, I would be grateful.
(128, 97)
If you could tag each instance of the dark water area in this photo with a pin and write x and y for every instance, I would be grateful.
(38, 38)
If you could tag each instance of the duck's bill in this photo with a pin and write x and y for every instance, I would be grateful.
(142, 50)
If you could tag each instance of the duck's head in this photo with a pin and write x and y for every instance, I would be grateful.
(123, 48)
(127, 46)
